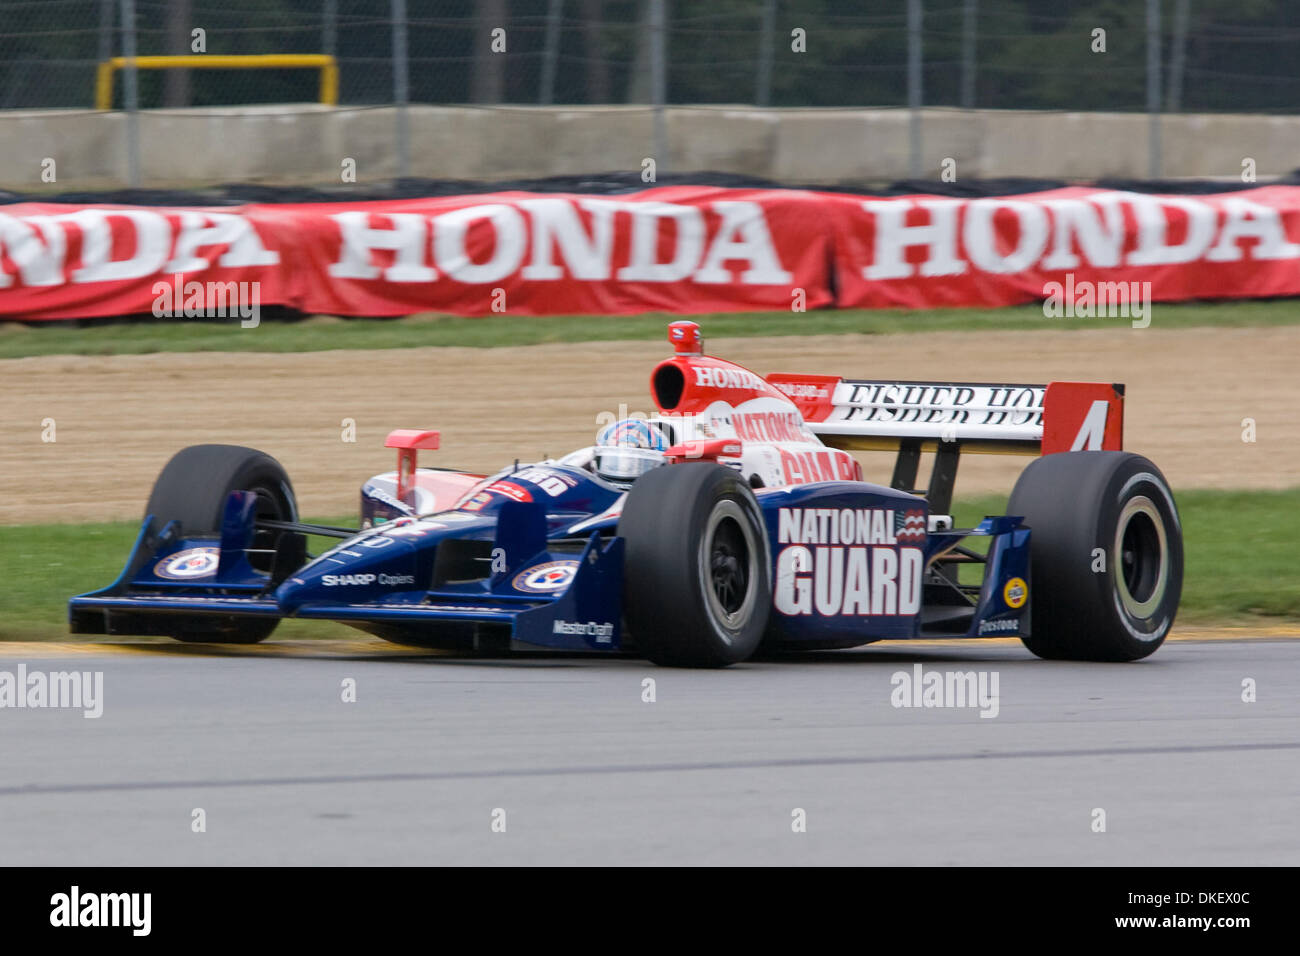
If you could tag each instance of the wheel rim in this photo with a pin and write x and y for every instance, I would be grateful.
(272, 504)
(728, 564)
(1141, 557)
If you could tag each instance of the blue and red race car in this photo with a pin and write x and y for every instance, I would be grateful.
(732, 522)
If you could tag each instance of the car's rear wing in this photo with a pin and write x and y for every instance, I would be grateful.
(998, 419)
(951, 417)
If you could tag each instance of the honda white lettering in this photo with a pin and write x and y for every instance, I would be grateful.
(1002, 236)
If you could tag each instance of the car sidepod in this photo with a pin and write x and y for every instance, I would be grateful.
(854, 563)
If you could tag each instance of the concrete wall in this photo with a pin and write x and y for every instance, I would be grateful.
(307, 144)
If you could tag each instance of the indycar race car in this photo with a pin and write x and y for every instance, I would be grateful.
(735, 521)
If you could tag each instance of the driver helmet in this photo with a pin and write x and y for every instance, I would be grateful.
(629, 448)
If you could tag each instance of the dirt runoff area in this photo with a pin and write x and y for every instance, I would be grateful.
(117, 419)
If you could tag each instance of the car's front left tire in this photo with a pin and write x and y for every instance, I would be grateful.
(697, 566)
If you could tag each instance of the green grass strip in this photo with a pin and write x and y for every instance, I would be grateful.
(320, 333)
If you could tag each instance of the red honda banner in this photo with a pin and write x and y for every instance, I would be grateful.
(1077, 249)
(675, 249)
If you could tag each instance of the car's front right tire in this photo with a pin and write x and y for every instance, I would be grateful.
(193, 488)
(1106, 555)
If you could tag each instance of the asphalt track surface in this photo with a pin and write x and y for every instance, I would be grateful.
(709, 773)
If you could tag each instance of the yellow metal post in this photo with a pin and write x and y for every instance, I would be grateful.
(329, 83)
(104, 86)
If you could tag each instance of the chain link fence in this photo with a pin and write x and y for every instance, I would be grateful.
(1214, 55)
(1151, 56)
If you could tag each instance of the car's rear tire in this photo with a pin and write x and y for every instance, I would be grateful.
(697, 566)
(1106, 555)
(193, 487)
